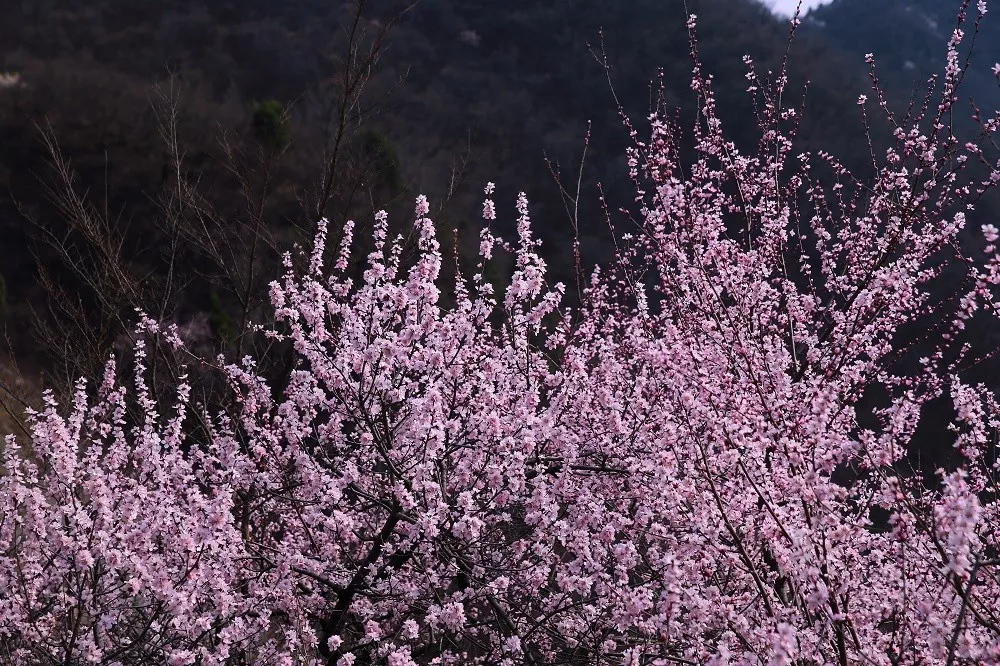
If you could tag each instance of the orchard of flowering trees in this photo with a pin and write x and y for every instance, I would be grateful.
(708, 459)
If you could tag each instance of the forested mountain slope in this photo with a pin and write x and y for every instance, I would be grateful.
(909, 39)
(464, 93)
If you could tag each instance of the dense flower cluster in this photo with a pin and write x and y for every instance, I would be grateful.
(687, 468)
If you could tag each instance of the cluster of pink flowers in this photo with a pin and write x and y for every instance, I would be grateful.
(683, 469)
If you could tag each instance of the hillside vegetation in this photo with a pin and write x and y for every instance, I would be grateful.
(462, 93)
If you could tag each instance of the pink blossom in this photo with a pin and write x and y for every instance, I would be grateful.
(680, 469)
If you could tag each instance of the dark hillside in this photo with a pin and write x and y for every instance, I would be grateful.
(464, 93)
(909, 39)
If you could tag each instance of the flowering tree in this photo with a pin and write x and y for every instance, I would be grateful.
(687, 468)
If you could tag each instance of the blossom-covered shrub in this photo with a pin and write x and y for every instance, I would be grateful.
(687, 468)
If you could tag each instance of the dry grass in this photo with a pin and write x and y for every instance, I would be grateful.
(18, 389)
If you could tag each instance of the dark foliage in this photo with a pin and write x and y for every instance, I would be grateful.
(271, 124)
